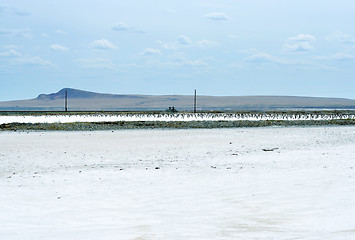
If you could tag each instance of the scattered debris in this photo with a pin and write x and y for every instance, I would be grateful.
(269, 149)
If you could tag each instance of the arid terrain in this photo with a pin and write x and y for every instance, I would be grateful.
(238, 183)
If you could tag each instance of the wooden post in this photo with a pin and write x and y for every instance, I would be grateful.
(195, 102)
(66, 101)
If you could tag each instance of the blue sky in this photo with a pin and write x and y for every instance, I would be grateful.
(224, 47)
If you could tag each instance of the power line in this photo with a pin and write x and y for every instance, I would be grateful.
(195, 102)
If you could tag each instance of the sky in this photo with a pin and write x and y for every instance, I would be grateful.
(219, 47)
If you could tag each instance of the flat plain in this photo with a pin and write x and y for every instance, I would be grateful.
(236, 183)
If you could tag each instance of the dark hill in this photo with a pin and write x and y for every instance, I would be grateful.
(91, 101)
(75, 93)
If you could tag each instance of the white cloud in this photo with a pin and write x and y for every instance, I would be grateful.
(342, 56)
(96, 63)
(57, 47)
(216, 16)
(183, 40)
(342, 37)
(44, 35)
(31, 61)
(175, 61)
(310, 66)
(206, 44)
(150, 52)
(337, 57)
(121, 26)
(103, 44)
(302, 38)
(61, 32)
(260, 58)
(300, 43)
(180, 60)
(168, 45)
(10, 53)
(264, 60)
(195, 63)
(21, 33)
(298, 47)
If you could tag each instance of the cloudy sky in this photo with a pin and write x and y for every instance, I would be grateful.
(220, 47)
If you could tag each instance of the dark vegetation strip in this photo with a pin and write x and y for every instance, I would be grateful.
(90, 113)
(97, 126)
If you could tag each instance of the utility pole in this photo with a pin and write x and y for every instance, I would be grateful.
(66, 101)
(195, 102)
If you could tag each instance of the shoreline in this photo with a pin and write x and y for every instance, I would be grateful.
(98, 126)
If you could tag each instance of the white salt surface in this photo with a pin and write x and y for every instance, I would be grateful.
(168, 117)
(211, 184)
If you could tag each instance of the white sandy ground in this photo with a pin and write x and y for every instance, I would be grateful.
(211, 184)
(166, 117)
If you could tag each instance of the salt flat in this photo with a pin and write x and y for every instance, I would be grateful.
(168, 117)
(238, 183)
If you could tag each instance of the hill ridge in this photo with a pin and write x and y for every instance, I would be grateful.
(87, 100)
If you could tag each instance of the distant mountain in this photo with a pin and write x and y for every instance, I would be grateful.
(75, 93)
(79, 100)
